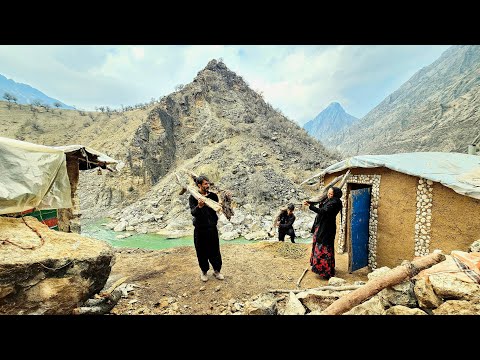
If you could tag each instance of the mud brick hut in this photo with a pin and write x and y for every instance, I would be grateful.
(42, 181)
(404, 205)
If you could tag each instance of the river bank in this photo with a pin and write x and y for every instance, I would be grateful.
(96, 229)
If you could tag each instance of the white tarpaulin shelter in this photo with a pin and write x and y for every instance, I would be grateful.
(460, 172)
(91, 158)
(32, 176)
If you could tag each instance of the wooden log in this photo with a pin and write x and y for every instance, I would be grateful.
(344, 180)
(313, 177)
(114, 286)
(194, 176)
(372, 287)
(321, 288)
(323, 194)
(224, 195)
(101, 306)
(276, 221)
(209, 202)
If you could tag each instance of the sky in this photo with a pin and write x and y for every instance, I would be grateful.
(300, 80)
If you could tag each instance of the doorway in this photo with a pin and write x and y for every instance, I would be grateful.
(357, 226)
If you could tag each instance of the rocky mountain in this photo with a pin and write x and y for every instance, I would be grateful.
(435, 110)
(329, 122)
(215, 125)
(218, 126)
(25, 94)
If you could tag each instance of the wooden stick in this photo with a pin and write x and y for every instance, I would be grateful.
(301, 277)
(372, 287)
(320, 288)
(344, 180)
(313, 177)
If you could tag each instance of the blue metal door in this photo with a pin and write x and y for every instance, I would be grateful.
(360, 216)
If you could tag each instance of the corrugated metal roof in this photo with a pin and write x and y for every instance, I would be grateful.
(460, 172)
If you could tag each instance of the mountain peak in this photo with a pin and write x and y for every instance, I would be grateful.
(217, 66)
(329, 121)
(434, 110)
(217, 71)
(335, 104)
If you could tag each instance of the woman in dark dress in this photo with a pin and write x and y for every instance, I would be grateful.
(324, 229)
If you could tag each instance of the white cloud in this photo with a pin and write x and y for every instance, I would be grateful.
(138, 52)
(299, 80)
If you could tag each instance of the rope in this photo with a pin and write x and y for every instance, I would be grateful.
(42, 240)
(84, 153)
(412, 268)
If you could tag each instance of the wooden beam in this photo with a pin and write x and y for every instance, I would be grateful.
(323, 194)
(393, 277)
(209, 202)
(320, 288)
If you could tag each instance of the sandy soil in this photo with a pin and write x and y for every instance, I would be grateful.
(168, 281)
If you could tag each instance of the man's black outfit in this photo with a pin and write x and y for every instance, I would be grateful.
(285, 226)
(205, 234)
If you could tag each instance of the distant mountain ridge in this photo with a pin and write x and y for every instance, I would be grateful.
(26, 94)
(435, 110)
(329, 122)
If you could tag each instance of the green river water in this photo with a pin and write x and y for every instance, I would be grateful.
(149, 241)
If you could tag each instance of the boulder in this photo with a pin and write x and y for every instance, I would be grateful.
(475, 246)
(449, 287)
(264, 304)
(373, 306)
(293, 306)
(53, 276)
(403, 310)
(457, 307)
(426, 297)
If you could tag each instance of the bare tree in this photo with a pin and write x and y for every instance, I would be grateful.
(179, 87)
(37, 103)
(9, 97)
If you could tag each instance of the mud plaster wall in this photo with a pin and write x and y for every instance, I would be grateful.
(455, 220)
(396, 216)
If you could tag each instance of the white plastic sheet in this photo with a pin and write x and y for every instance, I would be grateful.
(32, 176)
(100, 156)
(460, 172)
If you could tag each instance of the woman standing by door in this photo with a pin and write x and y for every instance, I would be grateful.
(322, 258)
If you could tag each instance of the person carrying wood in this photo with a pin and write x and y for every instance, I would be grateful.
(205, 234)
(322, 258)
(285, 224)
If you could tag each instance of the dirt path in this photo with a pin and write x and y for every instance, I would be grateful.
(168, 281)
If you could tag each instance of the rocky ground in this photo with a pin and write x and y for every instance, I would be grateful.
(168, 281)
